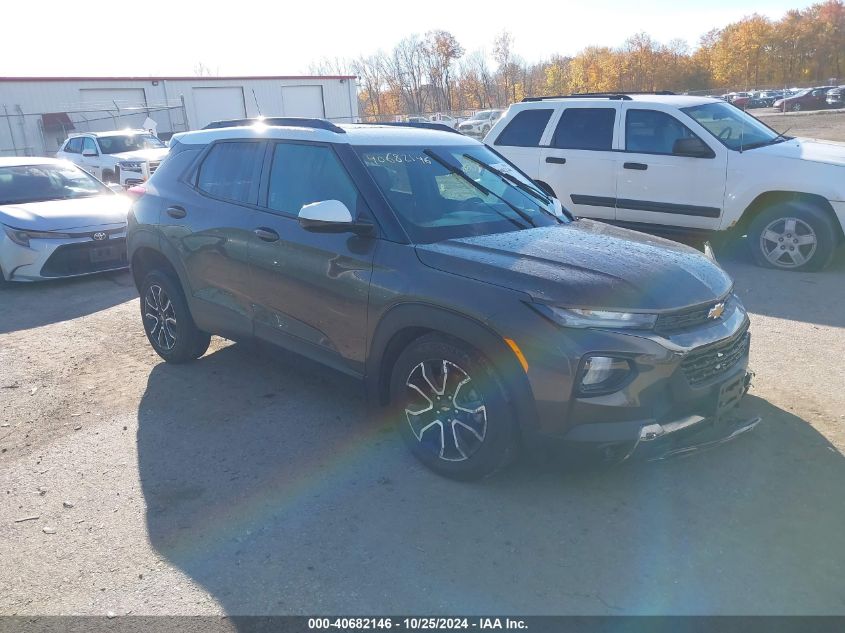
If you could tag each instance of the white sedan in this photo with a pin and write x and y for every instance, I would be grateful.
(57, 221)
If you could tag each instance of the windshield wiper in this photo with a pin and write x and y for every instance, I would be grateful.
(462, 174)
(777, 139)
(535, 193)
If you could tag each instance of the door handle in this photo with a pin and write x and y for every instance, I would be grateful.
(268, 235)
(176, 212)
(555, 159)
(639, 166)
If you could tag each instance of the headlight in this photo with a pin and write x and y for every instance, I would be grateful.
(584, 318)
(21, 237)
(131, 165)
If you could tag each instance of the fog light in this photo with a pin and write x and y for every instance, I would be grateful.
(603, 374)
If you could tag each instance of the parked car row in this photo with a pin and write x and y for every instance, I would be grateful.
(792, 100)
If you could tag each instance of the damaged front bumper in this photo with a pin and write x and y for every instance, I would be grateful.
(695, 433)
(656, 445)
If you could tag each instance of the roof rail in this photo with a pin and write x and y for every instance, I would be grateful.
(621, 96)
(278, 121)
(417, 124)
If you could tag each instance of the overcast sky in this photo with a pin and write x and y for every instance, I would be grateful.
(169, 37)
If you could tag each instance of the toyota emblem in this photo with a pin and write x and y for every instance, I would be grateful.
(100, 236)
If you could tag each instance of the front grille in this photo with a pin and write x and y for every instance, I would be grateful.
(80, 258)
(684, 319)
(710, 361)
(153, 165)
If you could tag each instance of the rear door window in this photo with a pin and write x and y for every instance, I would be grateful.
(585, 128)
(231, 171)
(525, 129)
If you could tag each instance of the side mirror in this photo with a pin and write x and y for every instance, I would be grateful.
(89, 152)
(692, 147)
(331, 216)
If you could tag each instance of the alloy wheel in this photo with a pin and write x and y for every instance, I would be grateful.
(445, 410)
(788, 242)
(160, 317)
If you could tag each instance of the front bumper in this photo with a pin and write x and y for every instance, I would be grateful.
(691, 433)
(676, 383)
(67, 257)
(133, 178)
(470, 131)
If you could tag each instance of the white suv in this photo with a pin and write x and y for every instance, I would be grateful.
(479, 123)
(683, 165)
(128, 157)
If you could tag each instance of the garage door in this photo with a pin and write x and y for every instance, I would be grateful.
(113, 108)
(214, 104)
(304, 101)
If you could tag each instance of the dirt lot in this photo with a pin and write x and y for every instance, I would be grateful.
(821, 124)
(247, 483)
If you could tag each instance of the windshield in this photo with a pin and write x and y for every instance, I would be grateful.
(435, 202)
(128, 143)
(478, 116)
(37, 183)
(734, 128)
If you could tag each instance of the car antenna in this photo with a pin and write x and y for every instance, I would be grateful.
(257, 107)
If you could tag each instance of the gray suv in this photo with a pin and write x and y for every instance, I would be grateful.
(479, 313)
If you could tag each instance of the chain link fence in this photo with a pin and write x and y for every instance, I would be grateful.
(42, 133)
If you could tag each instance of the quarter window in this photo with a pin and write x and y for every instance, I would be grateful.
(231, 171)
(525, 129)
(585, 128)
(653, 132)
(302, 174)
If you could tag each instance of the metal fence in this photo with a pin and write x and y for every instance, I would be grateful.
(42, 133)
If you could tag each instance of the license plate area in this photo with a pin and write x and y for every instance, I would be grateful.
(105, 254)
(729, 396)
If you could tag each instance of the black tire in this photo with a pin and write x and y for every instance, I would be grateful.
(808, 221)
(480, 436)
(108, 176)
(796, 107)
(178, 340)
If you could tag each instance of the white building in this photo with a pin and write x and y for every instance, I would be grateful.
(37, 113)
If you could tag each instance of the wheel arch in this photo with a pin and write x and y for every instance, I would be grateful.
(146, 259)
(407, 322)
(768, 198)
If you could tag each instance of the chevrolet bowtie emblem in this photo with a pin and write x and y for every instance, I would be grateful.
(716, 311)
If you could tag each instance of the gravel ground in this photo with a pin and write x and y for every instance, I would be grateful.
(253, 483)
(822, 124)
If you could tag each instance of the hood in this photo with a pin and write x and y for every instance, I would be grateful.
(830, 152)
(143, 154)
(61, 215)
(585, 264)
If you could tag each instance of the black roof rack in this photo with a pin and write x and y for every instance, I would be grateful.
(417, 124)
(621, 96)
(278, 121)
